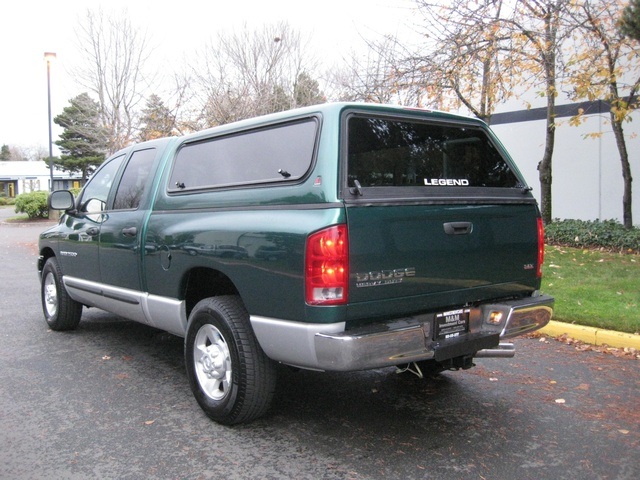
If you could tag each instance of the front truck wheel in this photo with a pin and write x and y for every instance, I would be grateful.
(61, 312)
(231, 377)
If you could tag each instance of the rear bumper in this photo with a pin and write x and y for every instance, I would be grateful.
(329, 347)
(524, 315)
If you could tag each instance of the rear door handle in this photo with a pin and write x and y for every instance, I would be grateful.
(458, 228)
(130, 232)
(92, 231)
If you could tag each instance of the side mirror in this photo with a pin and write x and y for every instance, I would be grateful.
(61, 200)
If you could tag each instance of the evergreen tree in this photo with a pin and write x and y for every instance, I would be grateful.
(307, 91)
(157, 120)
(83, 141)
(630, 21)
(5, 153)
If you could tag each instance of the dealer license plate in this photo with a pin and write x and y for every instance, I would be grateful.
(452, 324)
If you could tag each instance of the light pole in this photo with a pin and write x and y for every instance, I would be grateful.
(49, 57)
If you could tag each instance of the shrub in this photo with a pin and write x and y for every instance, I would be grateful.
(607, 235)
(34, 204)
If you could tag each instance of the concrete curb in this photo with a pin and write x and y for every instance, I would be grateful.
(594, 336)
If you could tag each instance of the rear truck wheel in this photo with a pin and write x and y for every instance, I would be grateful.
(61, 312)
(231, 377)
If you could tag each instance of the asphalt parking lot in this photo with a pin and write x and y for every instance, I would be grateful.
(111, 400)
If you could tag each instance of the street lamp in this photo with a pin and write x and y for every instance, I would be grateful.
(49, 57)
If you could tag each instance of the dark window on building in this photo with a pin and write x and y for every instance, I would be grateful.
(399, 152)
(279, 153)
(134, 179)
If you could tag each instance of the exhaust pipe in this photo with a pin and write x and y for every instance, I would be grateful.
(504, 350)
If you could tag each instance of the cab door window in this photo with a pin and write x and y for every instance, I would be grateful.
(95, 193)
(134, 179)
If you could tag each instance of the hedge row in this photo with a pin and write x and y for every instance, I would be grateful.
(607, 235)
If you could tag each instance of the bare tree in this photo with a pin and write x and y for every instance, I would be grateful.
(253, 72)
(37, 152)
(250, 73)
(465, 58)
(22, 153)
(373, 75)
(179, 95)
(493, 46)
(114, 58)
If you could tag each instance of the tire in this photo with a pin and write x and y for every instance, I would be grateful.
(61, 312)
(230, 376)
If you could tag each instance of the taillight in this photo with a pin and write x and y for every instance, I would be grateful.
(327, 266)
(540, 247)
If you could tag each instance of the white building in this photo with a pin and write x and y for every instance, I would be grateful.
(587, 173)
(24, 177)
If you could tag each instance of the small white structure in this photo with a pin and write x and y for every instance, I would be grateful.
(24, 177)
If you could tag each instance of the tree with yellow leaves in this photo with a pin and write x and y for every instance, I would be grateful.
(487, 51)
(606, 66)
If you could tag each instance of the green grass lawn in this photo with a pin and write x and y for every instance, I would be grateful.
(593, 288)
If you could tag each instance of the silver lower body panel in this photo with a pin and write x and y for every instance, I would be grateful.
(330, 347)
(160, 312)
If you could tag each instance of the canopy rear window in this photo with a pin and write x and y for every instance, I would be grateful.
(385, 152)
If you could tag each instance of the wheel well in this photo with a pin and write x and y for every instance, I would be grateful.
(203, 283)
(45, 255)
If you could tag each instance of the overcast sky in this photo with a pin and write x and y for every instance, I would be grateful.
(31, 27)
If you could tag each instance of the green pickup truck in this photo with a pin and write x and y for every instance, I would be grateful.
(338, 237)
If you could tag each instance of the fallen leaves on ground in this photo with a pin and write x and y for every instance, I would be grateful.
(626, 352)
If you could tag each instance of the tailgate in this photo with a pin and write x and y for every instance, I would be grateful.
(439, 254)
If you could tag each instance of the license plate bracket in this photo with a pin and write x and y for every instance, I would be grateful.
(452, 324)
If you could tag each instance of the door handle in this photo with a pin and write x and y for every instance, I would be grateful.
(130, 232)
(458, 228)
(92, 231)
